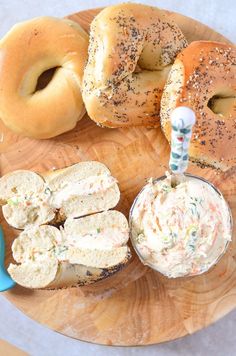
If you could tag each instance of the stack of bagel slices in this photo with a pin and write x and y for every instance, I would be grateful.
(69, 237)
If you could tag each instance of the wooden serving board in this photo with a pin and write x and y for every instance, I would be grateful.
(136, 306)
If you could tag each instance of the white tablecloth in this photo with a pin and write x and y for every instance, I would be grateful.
(218, 339)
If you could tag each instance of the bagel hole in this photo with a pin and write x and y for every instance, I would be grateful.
(45, 78)
(222, 104)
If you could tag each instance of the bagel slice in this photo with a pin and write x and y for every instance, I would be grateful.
(86, 250)
(82, 189)
(24, 199)
(97, 240)
(30, 199)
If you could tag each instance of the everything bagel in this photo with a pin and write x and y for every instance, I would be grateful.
(131, 50)
(203, 78)
(28, 50)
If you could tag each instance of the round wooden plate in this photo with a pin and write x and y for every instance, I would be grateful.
(136, 306)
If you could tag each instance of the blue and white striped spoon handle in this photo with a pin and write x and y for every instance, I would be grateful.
(182, 121)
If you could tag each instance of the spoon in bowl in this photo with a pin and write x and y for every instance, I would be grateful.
(156, 232)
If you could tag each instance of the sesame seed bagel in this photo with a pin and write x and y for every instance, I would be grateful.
(29, 49)
(132, 47)
(203, 78)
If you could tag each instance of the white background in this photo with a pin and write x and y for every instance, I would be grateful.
(218, 339)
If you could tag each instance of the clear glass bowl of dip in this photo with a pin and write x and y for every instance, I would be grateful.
(133, 235)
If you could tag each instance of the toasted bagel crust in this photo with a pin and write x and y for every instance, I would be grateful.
(131, 49)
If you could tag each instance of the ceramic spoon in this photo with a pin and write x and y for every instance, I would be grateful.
(182, 121)
(5, 280)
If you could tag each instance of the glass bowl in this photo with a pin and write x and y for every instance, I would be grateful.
(153, 266)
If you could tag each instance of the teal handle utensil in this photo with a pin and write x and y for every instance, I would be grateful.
(182, 121)
(5, 280)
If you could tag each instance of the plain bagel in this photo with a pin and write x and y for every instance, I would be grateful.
(132, 47)
(29, 49)
(203, 78)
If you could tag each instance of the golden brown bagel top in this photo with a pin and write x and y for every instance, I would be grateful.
(130, 52)
(203, 78)
(29, 49)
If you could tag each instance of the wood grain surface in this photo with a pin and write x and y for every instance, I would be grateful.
(7, 349)
(136, 306)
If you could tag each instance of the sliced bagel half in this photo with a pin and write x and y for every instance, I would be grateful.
(24, 199)
(82, 189)
(30, 199)
(86, 250)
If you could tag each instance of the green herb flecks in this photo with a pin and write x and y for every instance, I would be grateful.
(48, 191)
(194, 204)
(169, 240)
(166, 188)
(13, 201)
(192, 233)
(140, 237)
(59, 250)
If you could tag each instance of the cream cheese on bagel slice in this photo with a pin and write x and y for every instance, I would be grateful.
(47, 257)
(30, 199)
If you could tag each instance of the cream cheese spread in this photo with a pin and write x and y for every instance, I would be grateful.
(99, 239)
(28, 209)
(87, 186)
(34, 244)
(181, 230)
